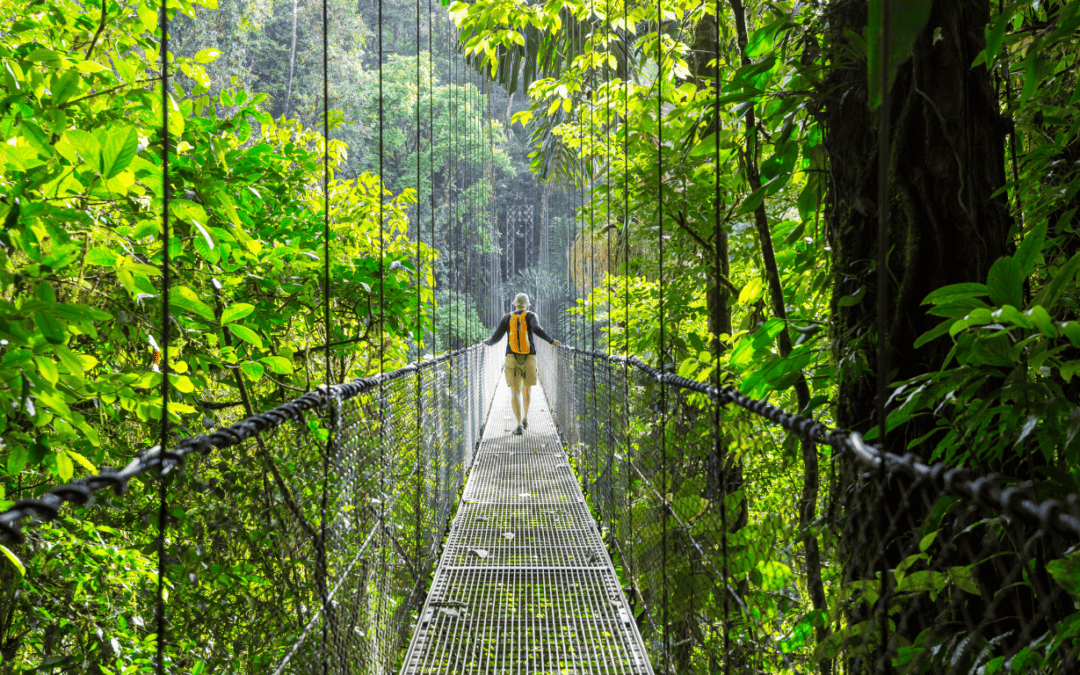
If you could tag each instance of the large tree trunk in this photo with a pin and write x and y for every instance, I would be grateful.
(946, 226)
(947, 160)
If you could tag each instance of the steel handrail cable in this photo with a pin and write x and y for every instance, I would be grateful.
(79, 492)
(1050, 515)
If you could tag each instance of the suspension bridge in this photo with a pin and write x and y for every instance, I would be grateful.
(412, 532)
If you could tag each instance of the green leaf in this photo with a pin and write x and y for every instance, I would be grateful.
(51, 329)
(907, 19)
(252, 370)
(176, 118)
(923, 581)
(83, 461)
(236, 311)
(1071, 330)
(47, 368)
(16, 459)
(1028, 251)
(854, 298)
(752, 202)
(1041, 320)
(230, 210)
(994, 36)
(206, 235)
(65, 86)
(1006, 282)
(1029, 426)
(14, 559)
(42, 55)
(1066, 573)
(946, 293)
(957, 306)
(184, 298)
(1061, 280)
(247, 335)
(181, 383)
(208, 55)
(118, 152)
(810, 196)
(1035, 69)
(926, 541)
(795, 234)
(779, 166)
(86, 145)
(751, 292)
(74, 312)
(770, 575)
(101, 256)
(65, 468)
(278, 364)
(68, 359)
(964, 579)
(1012, 315)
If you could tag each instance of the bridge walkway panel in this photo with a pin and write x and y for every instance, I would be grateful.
(525, 585)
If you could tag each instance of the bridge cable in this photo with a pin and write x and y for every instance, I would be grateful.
(431, 168)
(626, 261)
(418, 332)
(882, 289)
(470, 196)
(721, 455)
(660, 353)
(451, 197)
(166, 281)
(607, 250)
(321, 566)
(382, 294)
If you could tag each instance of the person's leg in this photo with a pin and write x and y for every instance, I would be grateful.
(513, 380)
(515, 403)
(529, 377)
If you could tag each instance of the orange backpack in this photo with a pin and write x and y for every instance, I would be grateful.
(519, 333)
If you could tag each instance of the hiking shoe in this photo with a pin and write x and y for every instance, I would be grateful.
(525, 424)
(518, 431)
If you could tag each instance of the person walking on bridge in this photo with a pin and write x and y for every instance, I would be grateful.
(521, 325)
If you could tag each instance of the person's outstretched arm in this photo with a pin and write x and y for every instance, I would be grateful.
(539, 330)
(503, 326)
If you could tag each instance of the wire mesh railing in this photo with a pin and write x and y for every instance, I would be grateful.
(908, 569)
(310, 549)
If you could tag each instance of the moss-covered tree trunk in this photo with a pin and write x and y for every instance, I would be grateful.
(947, 226)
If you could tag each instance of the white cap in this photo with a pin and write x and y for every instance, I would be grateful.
(521, 301)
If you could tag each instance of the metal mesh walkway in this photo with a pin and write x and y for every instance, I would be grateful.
(525, 584)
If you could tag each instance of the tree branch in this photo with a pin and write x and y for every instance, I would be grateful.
(100, 28)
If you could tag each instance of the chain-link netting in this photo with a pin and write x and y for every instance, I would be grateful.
(310, 549)
(906, 568)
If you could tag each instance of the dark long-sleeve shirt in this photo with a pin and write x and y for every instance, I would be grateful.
(532, 323)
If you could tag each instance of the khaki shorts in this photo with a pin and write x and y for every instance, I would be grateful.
(518, 373)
